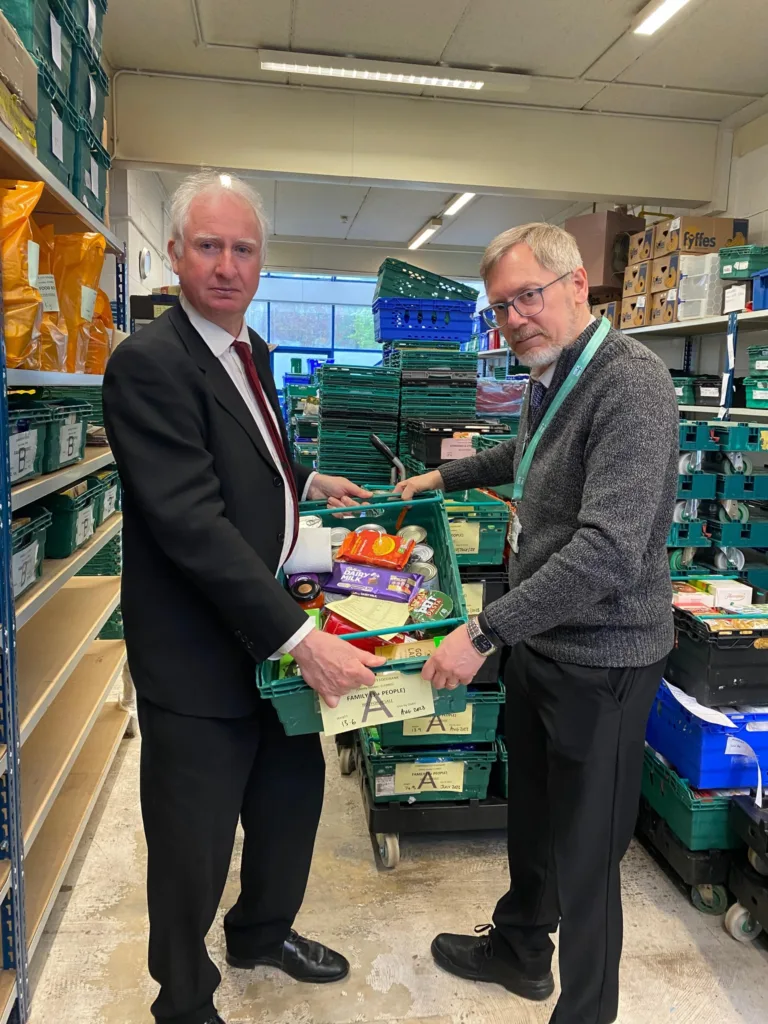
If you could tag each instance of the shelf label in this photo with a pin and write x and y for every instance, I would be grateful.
(57, 136)
(395, 697)
(56, 44)
(110, 503)
(474, 597)
(94, 177)
(456, 447)
(46, 285)
(70, 436)
(466, 537)
(429, 777)
(761, 364)
(23, 451)
(84, 526)
(24, 567)
(88, 298)
(458, 724)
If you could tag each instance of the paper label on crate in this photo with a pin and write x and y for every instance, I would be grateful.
(429, 777)
(679, 391)
(474, 594)
(94, 185)
(70, 436)
(57, 136)
(709, 392)
(56, 44)
(92, 19)
(23, 567)
(23, 448)
(416, 649)
(457, 724)
(711, 715)
(92, 101)
(457, 447)
(110, 502)
(742, 265)
(46, 285)
(88, 298)
(84, 525)
(385, 785)
(394, 697)
(738, 748)
(466, 537)
(33, 263)
(761, 364)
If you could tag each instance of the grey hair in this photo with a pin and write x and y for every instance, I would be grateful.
(553, 247)
(210, 183)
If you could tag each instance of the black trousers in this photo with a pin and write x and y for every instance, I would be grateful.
(198, 777)
(575, 738)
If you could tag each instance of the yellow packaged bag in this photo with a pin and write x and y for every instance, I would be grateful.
(19, 254)
(100, 335)
(53, 330)
(77, 264)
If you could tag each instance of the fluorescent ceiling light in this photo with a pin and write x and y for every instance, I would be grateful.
(657, 14)
(458, 203)
(370, 76)
(425, 233)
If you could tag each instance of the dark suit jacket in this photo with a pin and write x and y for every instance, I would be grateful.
(204, 519)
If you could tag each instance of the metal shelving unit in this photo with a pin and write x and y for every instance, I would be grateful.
(59, 732)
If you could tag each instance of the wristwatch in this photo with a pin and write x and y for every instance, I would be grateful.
(482, 644)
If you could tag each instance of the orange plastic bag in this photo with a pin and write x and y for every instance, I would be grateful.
(77, 264)
(53, 330)
(19, 253)
(100, 335)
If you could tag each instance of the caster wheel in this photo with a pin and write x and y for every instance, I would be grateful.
(347, 762)
(740, 924)
(729, 469)
(710, 899)
(757, 862)
(742, 514)
(389, 850)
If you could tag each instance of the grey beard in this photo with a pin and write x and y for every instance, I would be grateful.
(542, 356)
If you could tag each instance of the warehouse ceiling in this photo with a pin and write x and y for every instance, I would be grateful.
(707, 63)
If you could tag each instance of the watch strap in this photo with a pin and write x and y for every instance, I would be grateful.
(489, 631)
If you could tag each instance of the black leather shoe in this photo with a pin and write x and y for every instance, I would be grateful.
(216, 1020)
(301, 959)
(473, 958)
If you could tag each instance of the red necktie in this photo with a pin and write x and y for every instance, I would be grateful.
(244, 351)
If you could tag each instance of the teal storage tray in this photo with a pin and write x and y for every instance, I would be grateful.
(752, 534)
(696, 485)
(381, 767)
(52, 104)
(66, 435)
(467, 509)
(742, 486)
(28, 422)
(73, 523)
(32, 21)
(688, 535)
(484, 707)
(696, 436)
(28, 535)
(741, 437)
(92, 162)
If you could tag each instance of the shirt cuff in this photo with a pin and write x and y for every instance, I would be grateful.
(307, 485)
(296, 639)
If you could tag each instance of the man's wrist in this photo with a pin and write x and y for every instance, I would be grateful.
(489, 631)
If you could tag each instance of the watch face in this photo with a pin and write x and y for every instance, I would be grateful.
(482, 644)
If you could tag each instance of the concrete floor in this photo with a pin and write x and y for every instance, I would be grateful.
(678, 966)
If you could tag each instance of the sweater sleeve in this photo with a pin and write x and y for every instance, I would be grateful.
(486, 469)
(633, 437)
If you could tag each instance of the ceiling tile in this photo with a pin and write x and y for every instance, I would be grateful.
(244, 23)
(401, 30)
(395, 214)
(634, 99)
(488, 216)
(306, 208)
(550, 37)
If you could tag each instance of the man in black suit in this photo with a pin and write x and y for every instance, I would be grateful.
(210, 499)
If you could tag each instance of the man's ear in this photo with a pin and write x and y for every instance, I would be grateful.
(172, 256)
(581, 285)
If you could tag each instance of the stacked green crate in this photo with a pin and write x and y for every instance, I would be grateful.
(689, 530)
(301, 402)
(355, 402)
(91, 395)
(108, 562)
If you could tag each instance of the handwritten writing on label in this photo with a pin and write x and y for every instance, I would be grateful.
(23, 449)
(110, 503)
(24, 568)
(458, 724)
(466, 537)
(429, 777)
(84, 525)
(474, 597)
(394, 697)
(70, 437)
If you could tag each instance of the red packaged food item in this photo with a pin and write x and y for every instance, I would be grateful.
(341, 627)
(379, 549)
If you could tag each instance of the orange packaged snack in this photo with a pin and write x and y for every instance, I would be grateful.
(53, 330)
(23, 307)
(379, 549)
(100, 334)
(77, 264)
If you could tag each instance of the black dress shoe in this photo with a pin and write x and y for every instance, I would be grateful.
(473, 958)
(216, 1020)
(300, 958)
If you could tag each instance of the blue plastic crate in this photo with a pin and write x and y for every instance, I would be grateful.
(696, 749)
(760, 290)
(429, 319)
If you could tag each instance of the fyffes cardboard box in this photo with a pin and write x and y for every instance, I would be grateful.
(610, 310)
(635, 311)
(641, 246)
(664, 307)
(637, 279)
(700, 235)
(665, 273)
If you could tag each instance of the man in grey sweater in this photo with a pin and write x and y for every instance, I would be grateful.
(588, 619)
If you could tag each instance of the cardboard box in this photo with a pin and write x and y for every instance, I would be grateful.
(700, 235)
(665, 272)
(637, 279)
(596, 235)
(610, 310)
(641, 246)
(635, 311)
(737, 297)
(14, 116)
(664, 307)
(17, 68)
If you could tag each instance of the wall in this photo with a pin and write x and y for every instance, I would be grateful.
(138, 215)
(749, 192)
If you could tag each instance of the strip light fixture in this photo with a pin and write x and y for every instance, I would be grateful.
(424, 234)
(458, 203)
(328, 71)
(656, 14)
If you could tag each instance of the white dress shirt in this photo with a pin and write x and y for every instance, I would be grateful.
(221, 343)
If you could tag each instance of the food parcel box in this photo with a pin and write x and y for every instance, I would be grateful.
(699, 235)
(635, 311)
(637, 279)
(641, 246)
(610, 310)
(665, 273)
(664, 307)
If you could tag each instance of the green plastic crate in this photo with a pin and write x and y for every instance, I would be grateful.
(89, 15)
(403, 279)
(107, 490)
(479, 526)
(477, 723)
(92, 162)
(688, 535)
(48, 43)
(57, 128)
(696, 485)
(73, 523)
(113, 627)
(758, 360)
(107, 562)
(66, 436)
(684, 391)
(28, 539)
(696, 436)
(740, 262)
(743, 486)
(28, 422)
(89, 86)
(741, 437)
(756, 390)
(699, 818)
(752, 534)
(503, 766)
(382, 775)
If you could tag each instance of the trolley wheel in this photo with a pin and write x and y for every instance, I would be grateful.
(347, 762)
(710, 899)
(742, 514)
(729, 470)
(389, 849)
(758, 863)
(740, 924)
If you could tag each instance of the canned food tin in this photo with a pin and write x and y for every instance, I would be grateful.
(338, 533)
(374, 527)
(310, 522)
(430, 605)
(423, 553)
(415, 533)
(427, 571)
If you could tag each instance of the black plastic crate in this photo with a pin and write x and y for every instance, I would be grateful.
(482, 586)
(434, 442)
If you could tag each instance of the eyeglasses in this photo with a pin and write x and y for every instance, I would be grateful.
(527, 303)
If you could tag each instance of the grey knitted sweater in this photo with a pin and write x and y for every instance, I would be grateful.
(590, 585)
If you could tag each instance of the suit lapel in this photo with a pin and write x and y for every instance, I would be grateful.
(222, 385)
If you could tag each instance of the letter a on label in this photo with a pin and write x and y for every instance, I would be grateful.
(369, 706)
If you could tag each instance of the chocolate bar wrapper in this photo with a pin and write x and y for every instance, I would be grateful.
(369, 582)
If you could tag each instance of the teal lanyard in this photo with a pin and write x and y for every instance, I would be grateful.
(567, 387)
